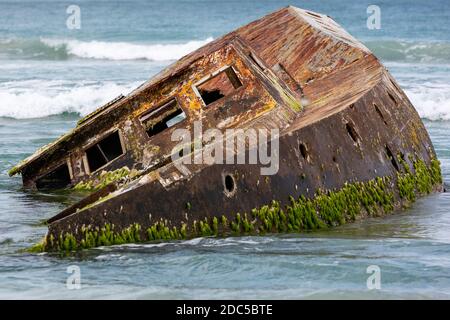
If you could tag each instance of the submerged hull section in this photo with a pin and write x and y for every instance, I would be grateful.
(350, 143)
(201, 205)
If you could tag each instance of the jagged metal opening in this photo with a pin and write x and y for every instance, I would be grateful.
(219, 86)
(165, 116)
(392, 158)
(304, 151)
(104, 151)
(380, 113)
(352, 132)
(58, 178)
(392, 98)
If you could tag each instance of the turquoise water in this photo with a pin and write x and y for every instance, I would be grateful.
(50, 76)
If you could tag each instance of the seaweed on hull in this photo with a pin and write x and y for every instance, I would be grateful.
(326, 209)
(351, 145)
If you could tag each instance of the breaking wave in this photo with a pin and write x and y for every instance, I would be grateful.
(42, 98)
(431, 103)
(36, 99)
(406, 51)
(60, 49)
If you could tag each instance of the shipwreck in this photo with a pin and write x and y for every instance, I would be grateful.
(351, 144)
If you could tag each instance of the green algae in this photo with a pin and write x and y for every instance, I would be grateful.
(328, 208)
(90, 238)
(105, 178)
(421, 181)
(39, 247)
(17, 168)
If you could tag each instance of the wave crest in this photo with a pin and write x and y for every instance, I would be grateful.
(40, 100)
(37, 98)
(405, 51)
(60, 49)
(432, 103)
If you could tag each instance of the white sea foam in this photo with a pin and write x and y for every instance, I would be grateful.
(61, 49)
(432, 103)
(124, 50)
(35, 99)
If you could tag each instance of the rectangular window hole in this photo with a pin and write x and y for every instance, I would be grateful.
(58, 178)
(219, 86)
(165, 116)
(105, 151)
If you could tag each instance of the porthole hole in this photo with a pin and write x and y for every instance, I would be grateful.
(229, 185)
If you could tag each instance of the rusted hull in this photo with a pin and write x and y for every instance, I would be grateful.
(333, 159)
(351, 144)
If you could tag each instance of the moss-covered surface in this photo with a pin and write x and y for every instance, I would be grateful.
(105, 178)
(421, 181)
(327, 209)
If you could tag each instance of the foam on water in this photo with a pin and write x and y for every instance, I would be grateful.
(41, 98)
(60, 49)
(46, 69)
(37, 99)
(432, 103)
(123, 50)
(427, 86)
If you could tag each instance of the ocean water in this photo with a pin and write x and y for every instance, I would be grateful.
(51, 75)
